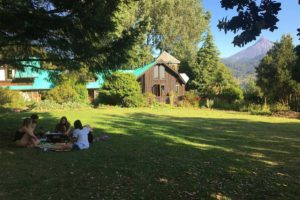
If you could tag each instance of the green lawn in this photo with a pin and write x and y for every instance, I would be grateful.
(159, 154)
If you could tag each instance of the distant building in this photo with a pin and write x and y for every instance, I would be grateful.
(160, 77)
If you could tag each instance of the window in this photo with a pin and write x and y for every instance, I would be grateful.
(2, 74)
(177, 89)
(156, 90)
(162, 72)
(155, 72)
(162, 90)
(10, 74)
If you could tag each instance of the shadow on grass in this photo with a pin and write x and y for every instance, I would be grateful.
(163, 157)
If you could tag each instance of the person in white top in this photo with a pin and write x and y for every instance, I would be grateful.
(81, 135)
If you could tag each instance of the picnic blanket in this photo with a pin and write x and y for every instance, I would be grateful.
(59, 147)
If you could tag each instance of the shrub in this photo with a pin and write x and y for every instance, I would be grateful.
(63, 93)
(209, 103)
(232, 93)
(52, 105)
(11, 99)
(225, 105)
(150, 99)
(120, 89)
(134, 101)
(252, 92)
(258, 109)
(172, 97)
(279, 107)
(190, 99)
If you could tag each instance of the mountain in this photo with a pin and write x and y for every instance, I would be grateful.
(244, 62)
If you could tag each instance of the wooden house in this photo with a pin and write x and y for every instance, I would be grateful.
(160, 78)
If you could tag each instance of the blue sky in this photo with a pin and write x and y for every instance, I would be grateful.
(289, 21)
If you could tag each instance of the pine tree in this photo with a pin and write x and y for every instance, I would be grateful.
(205, 67)
(68, 34)
(274, 73)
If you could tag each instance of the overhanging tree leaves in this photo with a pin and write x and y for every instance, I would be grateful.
(252, 17)
(94, 33)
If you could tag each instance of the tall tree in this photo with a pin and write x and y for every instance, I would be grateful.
(274, 73)
(211, 78)
(253, 17)
(95, 33)
(203, 72)
(176, 26)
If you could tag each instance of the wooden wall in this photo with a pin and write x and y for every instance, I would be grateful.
(170, 81)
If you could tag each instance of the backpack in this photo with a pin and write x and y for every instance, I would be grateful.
(90, 137)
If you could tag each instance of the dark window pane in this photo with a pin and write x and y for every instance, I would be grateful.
(9, 73)
(162, 90)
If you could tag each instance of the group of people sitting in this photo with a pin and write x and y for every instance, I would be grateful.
(77, 139)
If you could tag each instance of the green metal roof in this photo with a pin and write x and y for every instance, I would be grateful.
(140, 71)
(42, 82)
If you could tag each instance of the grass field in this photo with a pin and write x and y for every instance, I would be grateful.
(158, 154)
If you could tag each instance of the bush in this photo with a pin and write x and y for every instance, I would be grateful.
(190, 99)
(121, 89)
(225, 105)
(258, 109)
(252, 92)
(63, 93)
(279, 107)
(232, 93)
(52, 105)
(11, 99)
(134, 101)
(209, 103)
(150, 100)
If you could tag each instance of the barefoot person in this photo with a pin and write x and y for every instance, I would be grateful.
(24, 136)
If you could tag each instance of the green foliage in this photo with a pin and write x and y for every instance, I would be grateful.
(120, 89)
(258, 109)
(136, 100)
(190, 99)
(275, 73)
(70, 87)
(232, 93)
(175, 27)
(209, 103)
(95, 33)
(150, 100)
(279, 107)
(47, 105)
(210, 77)
(253, 17)
(11, 99)
(253, 93)
(225, 105)
(63, 93)
(204, 70)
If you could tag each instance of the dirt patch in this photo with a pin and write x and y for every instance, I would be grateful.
(287, 114)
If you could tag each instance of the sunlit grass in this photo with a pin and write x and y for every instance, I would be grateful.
(159, 154)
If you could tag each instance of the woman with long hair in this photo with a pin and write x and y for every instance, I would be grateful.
(63, 126)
